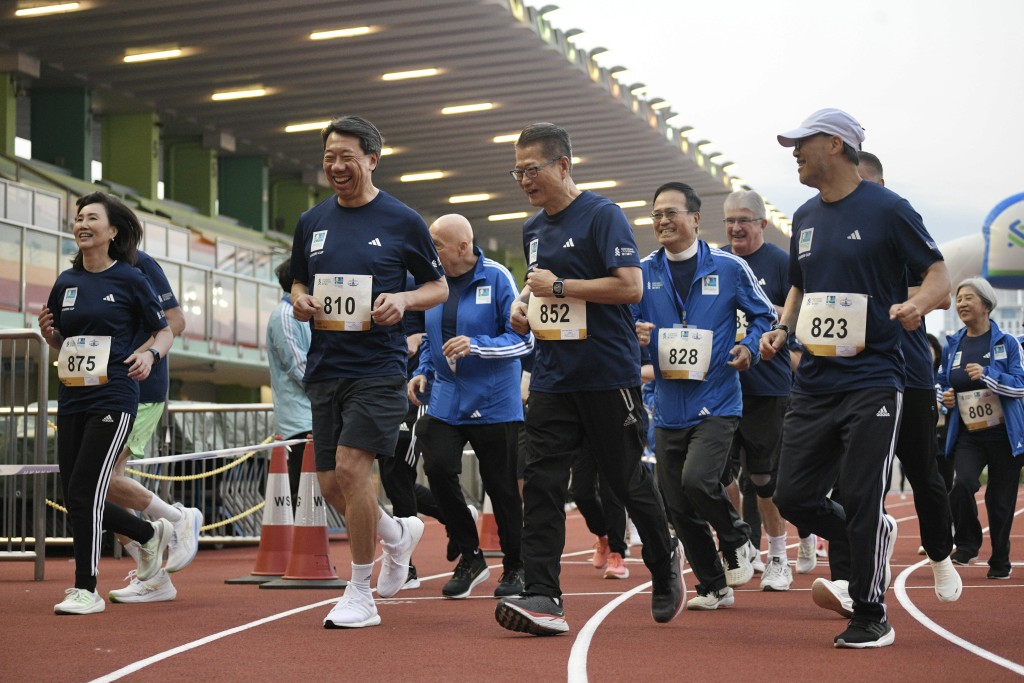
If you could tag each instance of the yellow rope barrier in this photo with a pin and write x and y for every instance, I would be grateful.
(201, 475)
(224, 468)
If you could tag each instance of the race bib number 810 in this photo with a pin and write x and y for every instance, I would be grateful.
(345, 300)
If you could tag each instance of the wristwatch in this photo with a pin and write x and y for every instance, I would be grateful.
(780, 326)
(558, 288)
(156, 355)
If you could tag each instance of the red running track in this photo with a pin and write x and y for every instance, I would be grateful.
(214, 631)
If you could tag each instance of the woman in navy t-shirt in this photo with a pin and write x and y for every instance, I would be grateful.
(91, 318)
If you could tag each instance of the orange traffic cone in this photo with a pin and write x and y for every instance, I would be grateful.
(276, 534)
(490, 545)
(310, 563)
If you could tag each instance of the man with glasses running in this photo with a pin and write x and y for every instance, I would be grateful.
(584, 270)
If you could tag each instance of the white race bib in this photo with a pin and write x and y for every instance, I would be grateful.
(833, 323)
(346, 301)
(557, 319)
(741, 325)
(83, 361)
(980, 409)
(684, 352)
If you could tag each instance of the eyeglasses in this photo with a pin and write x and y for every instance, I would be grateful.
(744, 221)
(670, 214)
(530, 172)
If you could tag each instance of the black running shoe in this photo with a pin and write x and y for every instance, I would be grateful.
(668, 594)
(511, 583)
(864, 633)
(999, 572)
(962, 557)
(528, 613)
(469, 572)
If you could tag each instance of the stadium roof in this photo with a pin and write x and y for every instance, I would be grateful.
(485, 52)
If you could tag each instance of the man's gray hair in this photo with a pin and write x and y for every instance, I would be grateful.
(746, 199)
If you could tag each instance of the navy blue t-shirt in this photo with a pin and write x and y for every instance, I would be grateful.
(450, 312)
(154, 388)
(385, 239)
(586, 241)
(769, 377)
(118, 303)
(974, 350)
(864, 244)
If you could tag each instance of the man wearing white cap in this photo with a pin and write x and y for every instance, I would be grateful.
(850, 249)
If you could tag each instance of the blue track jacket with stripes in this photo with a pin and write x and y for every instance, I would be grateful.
(484, 389)
(1004, 375)
(722, 284)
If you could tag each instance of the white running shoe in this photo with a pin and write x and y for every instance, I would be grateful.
(713, 600)
(806, 558)
(80, 601)
(157, 589)
(185, 543)
(833, 595)
(777, 575)
(353, 610)
(394, 566)
(948, 585)
(755, 558)
(151, 553)
(634, 535)
(737, 566)
(889, 549)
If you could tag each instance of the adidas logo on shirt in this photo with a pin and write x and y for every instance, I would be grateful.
(107, 419)
(761, 282)
(882, 412)
(704, 412)
(630, 420)
(375, 242)
(109, 297)
(855, 235)
(476, 414)
(568, 244)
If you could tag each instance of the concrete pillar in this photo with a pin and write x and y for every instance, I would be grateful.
(243, 190)
(131, 151)
(289, 198)
(62, 129)
(8, 113)
(190, 175)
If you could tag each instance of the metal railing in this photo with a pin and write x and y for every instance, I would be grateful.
(24, 357)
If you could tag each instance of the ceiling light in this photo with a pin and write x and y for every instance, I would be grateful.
(573, 33)
(638, 89)
(467, 108)
(303, 127)
(466, 198)
(257, 91)
(597, 185)
(635, 204)
(506, 216)
(425, 175)
(417, 73)
(646, 220)
(577, 160)
(388, 151)
(40, 10)
(152, 54)
(501, 139)
(341, 33)
(660, 105)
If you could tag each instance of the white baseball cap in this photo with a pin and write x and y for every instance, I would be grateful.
(830, 122)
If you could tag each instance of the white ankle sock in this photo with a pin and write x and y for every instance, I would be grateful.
(361, 574)
(777, 546)
(388, 528)
(158, 508)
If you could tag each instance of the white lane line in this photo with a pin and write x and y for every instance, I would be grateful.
(577, 668)
(900, 588)
(167, 654)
